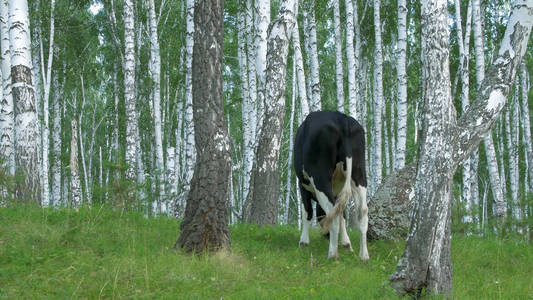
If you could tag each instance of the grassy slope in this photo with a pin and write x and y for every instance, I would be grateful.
(100, 253)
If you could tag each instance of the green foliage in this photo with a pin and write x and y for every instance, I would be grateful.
(100, 252)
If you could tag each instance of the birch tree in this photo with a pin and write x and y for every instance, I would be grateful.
(399, 161)
(129, 90)
(445, 144)
(492, 163)
(264, 193)
(47, 76)
(155, 58)
(352, 60)
(312, 54)
(56, 140)
(261, 21)
(339, 71)
(526, 125)
(7, 117)
(378, 98)
(205, 224)
(27, 137)
(300, 75)
(75, 184)
(189, 151)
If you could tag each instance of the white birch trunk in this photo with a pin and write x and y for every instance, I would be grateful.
(27, 131)
(155, 58)
(75, 184)
(251, 55)
(56, 142)
(312, 53)
(399, 161)
(464, 50)
(339, 71)
(129, 90)
(190, 151)
(300, 74)
(526, 126)
(352, 60)
(7, 113)
(492, 162)
(262, 20)
(264, 193)
(46, 99)
(513, 155)
(288, 186)
(378, 97)
(248, 107)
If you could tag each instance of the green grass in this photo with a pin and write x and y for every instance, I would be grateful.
(101, 253)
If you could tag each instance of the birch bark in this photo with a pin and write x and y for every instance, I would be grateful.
(339, 71)
(446, 144)
(526, 125)
(189, 147)
(155, 57)
(352, 60)
(312, 53)
(7, 114)
(129, 90)
(264, 193)
(27, 136)
(378, 97)
(399, 161)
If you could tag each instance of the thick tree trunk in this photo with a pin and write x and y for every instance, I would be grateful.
(205, 224)
(446, 144)
(7, 114)
(57, 142)
(426, 261)
(264, 194)
(262, 20)
(27, 137)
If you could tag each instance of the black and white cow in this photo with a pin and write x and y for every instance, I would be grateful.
(329, 150)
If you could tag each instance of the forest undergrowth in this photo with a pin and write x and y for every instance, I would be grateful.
(106, 253)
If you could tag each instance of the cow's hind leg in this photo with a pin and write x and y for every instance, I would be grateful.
(345, 240)
(362, 218)
(324, 195)
(307, 216)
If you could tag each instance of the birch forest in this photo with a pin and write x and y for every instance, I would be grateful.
(187, 110)
(97, 106)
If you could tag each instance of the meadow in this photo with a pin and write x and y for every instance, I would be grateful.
(105, 253)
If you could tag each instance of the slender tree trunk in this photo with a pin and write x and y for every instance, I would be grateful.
(312, 53)
(262, 20)
(492, 163)
(27, 137)
(205, 224)
(190, 152)
(129, 90)
(300, 74)
(402, 85)
(75, 184)
(57, 141)
(288, 186)
(155, 57)
(513, 156)
(7, 115)
(353, 84)
(378, 98)
(264, 193)
(251, 55)
(339, 71)
(526, 125)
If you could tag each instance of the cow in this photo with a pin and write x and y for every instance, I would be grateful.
(329, 150)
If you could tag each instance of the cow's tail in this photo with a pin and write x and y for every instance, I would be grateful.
(342, 198)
